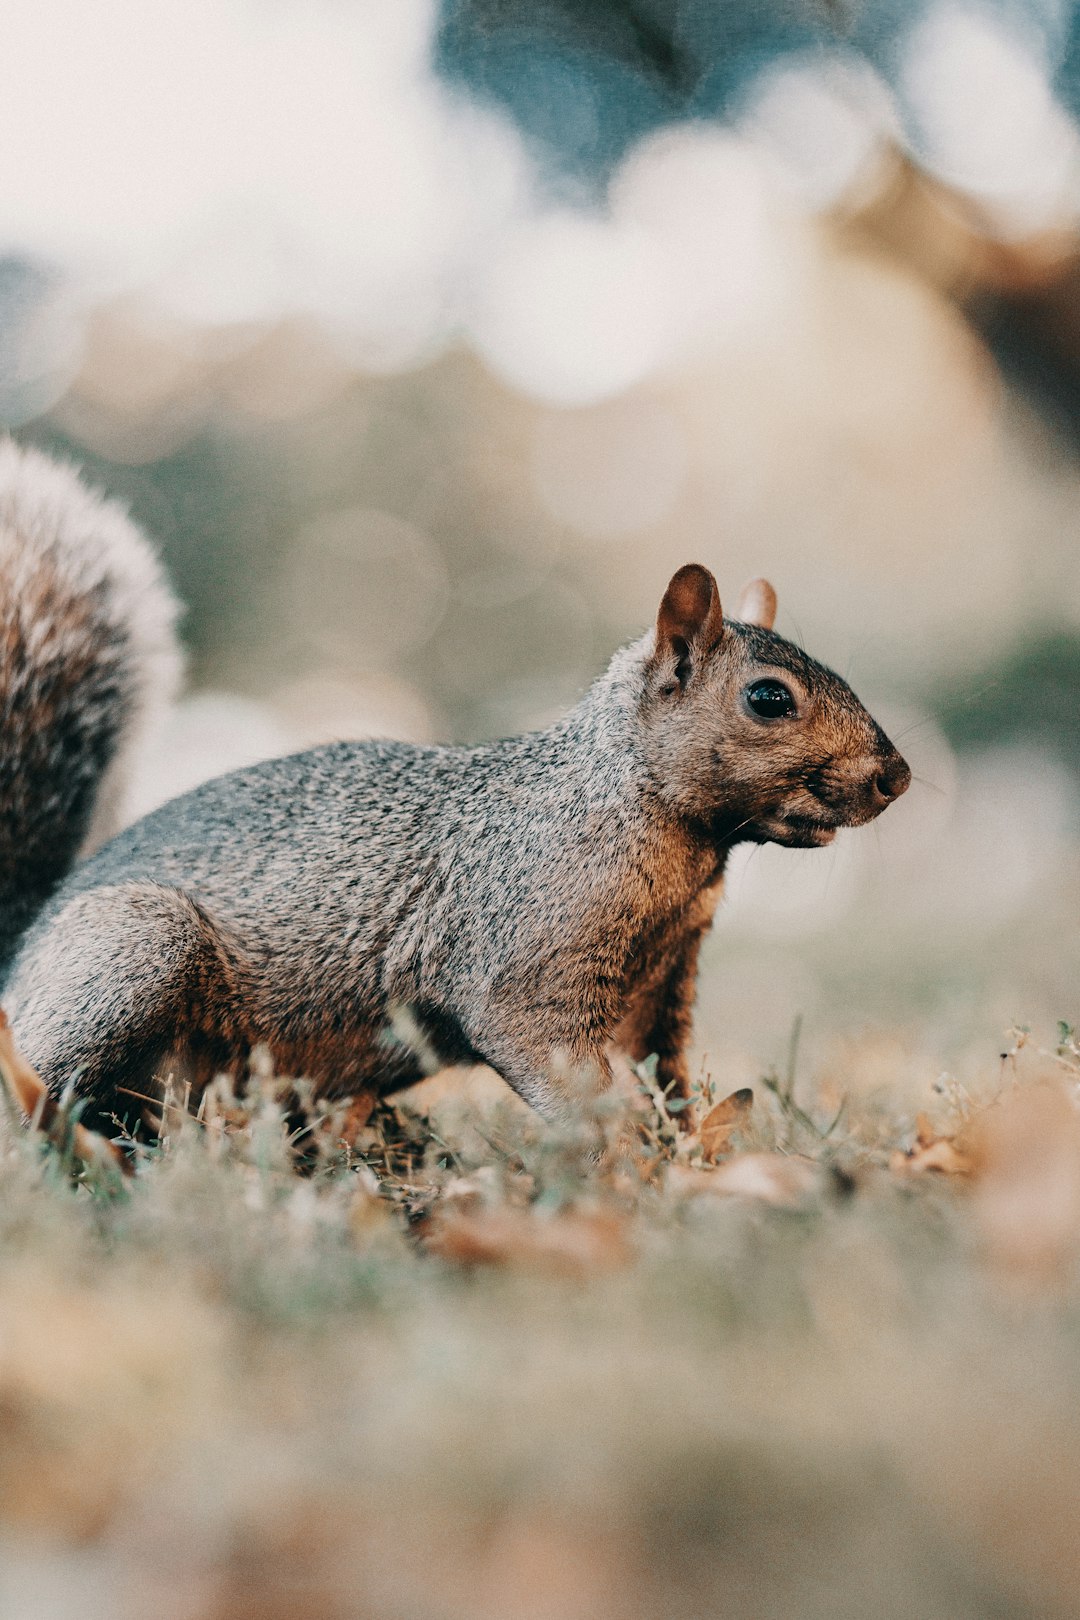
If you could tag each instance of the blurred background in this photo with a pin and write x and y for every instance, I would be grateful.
(428, 341)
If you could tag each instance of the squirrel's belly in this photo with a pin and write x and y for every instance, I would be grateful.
(342, 1063)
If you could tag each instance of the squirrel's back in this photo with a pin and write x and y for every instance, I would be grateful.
(87, 651)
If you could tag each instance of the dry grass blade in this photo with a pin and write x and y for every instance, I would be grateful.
(30, 1094)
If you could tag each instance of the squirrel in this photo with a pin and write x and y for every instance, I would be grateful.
(536, 903)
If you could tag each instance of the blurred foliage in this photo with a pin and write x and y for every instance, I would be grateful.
(583, 83)
(702, 53)
(823, 1369)
(205, 504)
(1028, 698)
(227, 506)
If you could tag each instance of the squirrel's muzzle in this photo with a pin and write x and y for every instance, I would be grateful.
(871, 786)
(891, 779)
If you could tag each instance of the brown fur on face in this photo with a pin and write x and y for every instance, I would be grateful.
(792, 780)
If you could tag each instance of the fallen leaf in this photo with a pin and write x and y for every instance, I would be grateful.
(471, 1192)
(368, 1209)
(1026, 1158)
(721, 1122)
(573, 1243)
(948, 1155)
(780, 1179)
(477, 1086)
(30, 1094)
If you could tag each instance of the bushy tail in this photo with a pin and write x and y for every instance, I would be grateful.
(88, 651)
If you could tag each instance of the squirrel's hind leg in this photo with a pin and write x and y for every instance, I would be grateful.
(120, 979)
(556, 1078)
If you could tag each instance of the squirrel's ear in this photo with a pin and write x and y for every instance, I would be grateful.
(690, 618)
(757, 604)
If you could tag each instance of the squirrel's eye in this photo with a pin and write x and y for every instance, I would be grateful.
(770, 700)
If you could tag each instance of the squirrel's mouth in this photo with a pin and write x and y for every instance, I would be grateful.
(800, 832)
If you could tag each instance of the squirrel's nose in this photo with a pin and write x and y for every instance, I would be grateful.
(893, 779)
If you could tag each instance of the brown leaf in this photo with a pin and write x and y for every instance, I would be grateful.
(1026, 1157)
(721, 1122)
(29, 1093)
(768, 1178)
(948, 1155)
(25, 1085)
(368, 1210)
(573, 1243)
(483, 1188)
(478, 1086)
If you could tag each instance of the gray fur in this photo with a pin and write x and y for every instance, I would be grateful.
(537, 903)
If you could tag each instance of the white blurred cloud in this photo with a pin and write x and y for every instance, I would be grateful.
(985, 117)
(239, 163)
(246, 161)
(824, 123)
(242, 163)
(575, 309)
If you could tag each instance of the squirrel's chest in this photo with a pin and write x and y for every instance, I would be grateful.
(656, 951)
(659, 976)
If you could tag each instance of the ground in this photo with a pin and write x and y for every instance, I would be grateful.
(816, 1358)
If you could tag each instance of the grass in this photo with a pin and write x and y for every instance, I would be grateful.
(452, 1368)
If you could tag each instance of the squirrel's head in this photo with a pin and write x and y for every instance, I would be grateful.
(747, 735)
